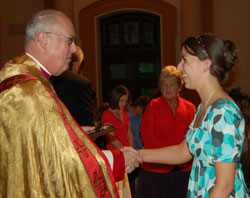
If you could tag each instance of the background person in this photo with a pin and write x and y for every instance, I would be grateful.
(75, 90)
(135, 114)
(98, 116)
(101, 141)
(164, 123)
(216, 135)
(118, 116)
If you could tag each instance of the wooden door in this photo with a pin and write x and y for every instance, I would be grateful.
(131, 52)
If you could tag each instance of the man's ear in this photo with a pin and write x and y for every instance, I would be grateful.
(207, 64)
(42, 39)
(73, 67)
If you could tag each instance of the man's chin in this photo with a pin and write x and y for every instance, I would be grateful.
(61, 71)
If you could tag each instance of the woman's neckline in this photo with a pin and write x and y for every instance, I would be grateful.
(116, 112)
(214, 104)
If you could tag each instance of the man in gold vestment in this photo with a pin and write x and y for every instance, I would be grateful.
(43, 151)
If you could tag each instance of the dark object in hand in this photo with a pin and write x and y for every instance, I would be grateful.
(103, 130)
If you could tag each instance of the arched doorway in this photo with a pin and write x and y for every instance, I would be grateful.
(89, 19)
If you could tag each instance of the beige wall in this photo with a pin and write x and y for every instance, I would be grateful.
(14, 15)
(79, 4)
(232, 21)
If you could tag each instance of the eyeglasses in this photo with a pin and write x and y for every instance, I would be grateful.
(204, 51)
(171, 85)
(70, 40)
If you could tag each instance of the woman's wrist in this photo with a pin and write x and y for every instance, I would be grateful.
(140, 151)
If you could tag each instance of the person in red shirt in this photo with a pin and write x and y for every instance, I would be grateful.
(118, 116)
(164, 123)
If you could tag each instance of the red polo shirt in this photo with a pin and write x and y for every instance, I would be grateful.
(161, 128)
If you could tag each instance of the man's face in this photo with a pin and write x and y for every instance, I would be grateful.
(60, 46)
(139, 111)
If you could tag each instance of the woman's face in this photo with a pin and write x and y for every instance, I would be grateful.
(170, 88)
(191, 68)
(123, 101)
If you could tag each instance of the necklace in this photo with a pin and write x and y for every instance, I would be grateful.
(209, 97)
(117, 113)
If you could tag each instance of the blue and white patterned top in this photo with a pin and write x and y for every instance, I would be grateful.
(219, 138)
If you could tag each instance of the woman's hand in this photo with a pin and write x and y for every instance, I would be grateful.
(132, 158)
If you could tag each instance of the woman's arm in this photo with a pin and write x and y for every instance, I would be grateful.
(111, 138)
(225, 174)
(177, 154)
(107, 117)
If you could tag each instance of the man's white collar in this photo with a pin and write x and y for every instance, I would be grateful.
(38, 62)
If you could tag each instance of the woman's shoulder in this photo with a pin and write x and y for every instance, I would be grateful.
(223, 107)
(158, 101)
(107, 112)
(225, 104)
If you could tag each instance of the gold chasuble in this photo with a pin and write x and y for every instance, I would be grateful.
(43, 151)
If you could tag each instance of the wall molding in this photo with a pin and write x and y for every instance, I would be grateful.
(89, 32)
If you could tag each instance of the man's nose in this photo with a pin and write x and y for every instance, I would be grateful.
(73, 47)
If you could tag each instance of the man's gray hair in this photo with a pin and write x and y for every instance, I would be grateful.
(43, 21)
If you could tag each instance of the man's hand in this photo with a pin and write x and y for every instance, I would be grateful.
(88, 129)
(132, 159)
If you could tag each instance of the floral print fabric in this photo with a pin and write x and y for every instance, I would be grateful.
(219, 138)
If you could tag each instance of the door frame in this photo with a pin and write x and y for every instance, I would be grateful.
(90, 39)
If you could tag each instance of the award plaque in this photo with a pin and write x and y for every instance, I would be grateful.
(104, 130)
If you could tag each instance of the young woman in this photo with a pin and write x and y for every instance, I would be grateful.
(118, 116)
(216, 135)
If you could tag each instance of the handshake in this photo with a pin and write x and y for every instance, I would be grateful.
(132, 158)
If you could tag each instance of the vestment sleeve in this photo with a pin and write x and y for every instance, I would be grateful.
(117, 163)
